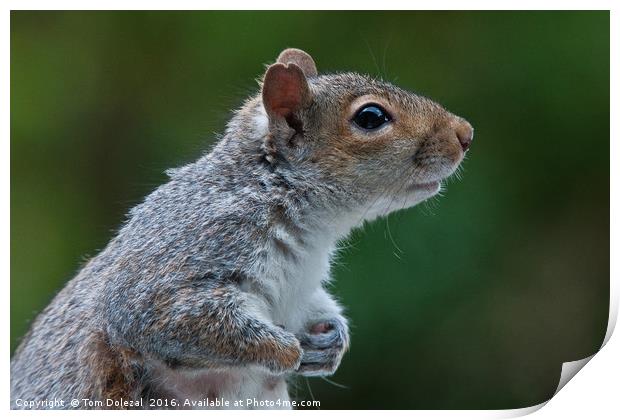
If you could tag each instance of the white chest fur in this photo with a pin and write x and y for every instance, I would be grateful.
(291, 278)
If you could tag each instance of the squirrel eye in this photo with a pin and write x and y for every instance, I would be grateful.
(370, 117)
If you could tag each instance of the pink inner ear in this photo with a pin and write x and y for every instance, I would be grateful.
(283, 90)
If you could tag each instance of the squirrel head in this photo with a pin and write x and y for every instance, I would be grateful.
(372, 142)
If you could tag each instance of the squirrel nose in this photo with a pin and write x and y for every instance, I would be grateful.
(465, 134)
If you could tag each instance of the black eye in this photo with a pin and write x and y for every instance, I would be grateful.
(370, 117)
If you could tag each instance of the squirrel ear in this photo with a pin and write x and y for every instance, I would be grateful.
(285, 90)
(299, 57)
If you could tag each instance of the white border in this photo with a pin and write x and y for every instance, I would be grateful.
(594, 394)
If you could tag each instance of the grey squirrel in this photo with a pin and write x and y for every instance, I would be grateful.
(214, 287)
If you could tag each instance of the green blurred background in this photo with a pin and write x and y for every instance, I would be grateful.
(481, 294)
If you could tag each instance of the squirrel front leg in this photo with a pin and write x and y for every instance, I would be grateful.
(324, 337)
(206, 324)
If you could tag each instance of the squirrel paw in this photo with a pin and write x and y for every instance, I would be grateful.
(323, 344)
(284, 355)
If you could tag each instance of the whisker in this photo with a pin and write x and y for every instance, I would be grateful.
(374, 58)
(310, 391)
(329, 381)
